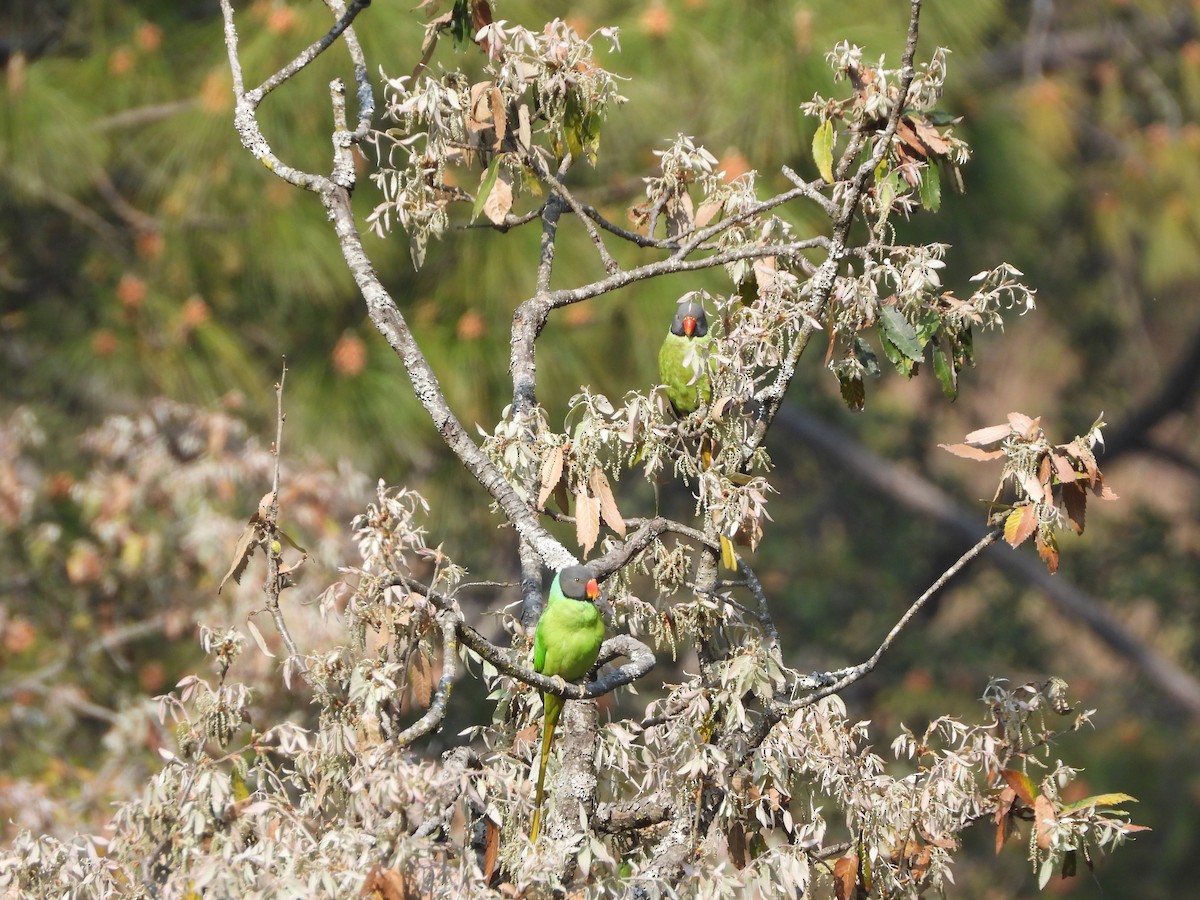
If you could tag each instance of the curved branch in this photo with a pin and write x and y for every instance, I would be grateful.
(386, 316)
(926, 498)
(437, 709)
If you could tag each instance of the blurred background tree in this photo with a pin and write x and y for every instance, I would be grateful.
(130, 270)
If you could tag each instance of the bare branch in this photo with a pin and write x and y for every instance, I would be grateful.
(441, 699)
(274, 582)
(855, 673)
(823, 281)
(308, 54)
(386, 317)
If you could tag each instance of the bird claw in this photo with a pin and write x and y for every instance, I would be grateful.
(560, 683)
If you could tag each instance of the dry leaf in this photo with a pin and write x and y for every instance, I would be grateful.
(551, 474)
(258, 638)
(707, 212)
(499, 119)
(1003, 817)
(736, 839)
(608, 504)
(1019, 525)
(420, 675)
(587, 519)
(845, 876)
(966, 451)
(988, 435)
(1020, 783)
(491, 851)
(931, 138)
(1024, 425)
(500, 199)
(1044, 820)
(680, 216)
(1074, 500)
(386, 884)
(252, 536)
(524, 129)
(1048, 551)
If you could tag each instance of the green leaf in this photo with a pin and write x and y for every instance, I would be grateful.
(822, 150)
(485, 189)
(1109, 800)
(853, 392)
(928, 326)
(865, 355)
(945, 373)
(460, 24)
(896, 357)
(931, 187)
(900, 332)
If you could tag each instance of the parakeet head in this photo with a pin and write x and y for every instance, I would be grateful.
(578, 583)
(690, 320)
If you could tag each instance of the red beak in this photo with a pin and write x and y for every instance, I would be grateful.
(592, 589)
(689, 325)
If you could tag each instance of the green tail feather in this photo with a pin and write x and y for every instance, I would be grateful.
(553, 708)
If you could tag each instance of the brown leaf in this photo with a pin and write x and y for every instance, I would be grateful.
(1020, 524)
(905, 132)
(1044, 468)
(845, 876)
(1044, 820)
(966, 451)
(608, 503)
(736, 837)
(988, 435)
(587, 519)
(680, 216)
(1003, 817)
(491, 851)
(1074, 499)
(1048, 551)
(764, 273)
(931, 138)
(562, 498)
(481, 15)
(707, 212)
(552, 469)
(1063, 469)
(259, 639)
(1102, 490)
(500, 199)
(499, 118)
(1024, 425)
(420, 674)
(1020, 783)
(252, 536)
(386, 884)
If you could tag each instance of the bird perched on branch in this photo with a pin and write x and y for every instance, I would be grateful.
(688, 337)
(565, 645)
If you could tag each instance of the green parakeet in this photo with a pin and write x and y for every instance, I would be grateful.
(566, 643)
(688, 334)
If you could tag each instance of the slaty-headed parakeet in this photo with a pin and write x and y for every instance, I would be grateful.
(566, 643)
(688, 335)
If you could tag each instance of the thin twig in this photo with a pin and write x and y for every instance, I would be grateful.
(437, 709)
(771, 397)
(274, 582)
(307, 55)
(857, 672)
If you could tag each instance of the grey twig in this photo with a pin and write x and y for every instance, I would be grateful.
(441, 699)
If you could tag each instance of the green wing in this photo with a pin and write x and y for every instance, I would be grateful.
(685, 398)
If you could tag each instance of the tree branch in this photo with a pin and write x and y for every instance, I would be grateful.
(920, 495)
